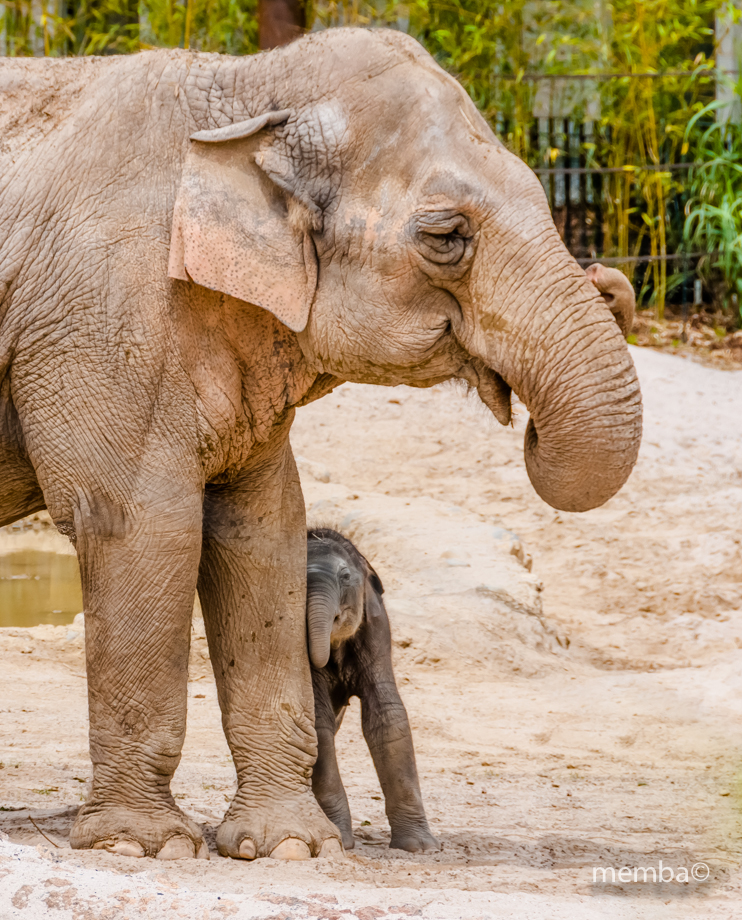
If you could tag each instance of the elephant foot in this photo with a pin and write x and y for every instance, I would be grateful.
(126, 832)
(295, 828)
(414, 840)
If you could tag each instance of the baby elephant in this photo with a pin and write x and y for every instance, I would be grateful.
(350, 648)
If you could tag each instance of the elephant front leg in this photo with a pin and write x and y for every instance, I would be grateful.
(252, 586)
(138, 577)
(386, 729)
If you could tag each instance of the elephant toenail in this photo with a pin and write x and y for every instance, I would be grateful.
(248, 850)
(121, 847)
(291, 848)
(177, 848)
(203, 851)
(331, 849)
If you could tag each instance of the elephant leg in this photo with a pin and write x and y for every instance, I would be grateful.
(20, 492)
(252, 587)
(138, 563)
(386, 729)
(326, 782)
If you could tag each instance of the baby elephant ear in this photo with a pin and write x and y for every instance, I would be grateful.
(373, 604)
(374, 579)
(231, 229)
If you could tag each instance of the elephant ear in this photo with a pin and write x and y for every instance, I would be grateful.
(233, 226)
(373, 589)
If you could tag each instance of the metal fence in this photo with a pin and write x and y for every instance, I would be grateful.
(577, 194)
(578, 168)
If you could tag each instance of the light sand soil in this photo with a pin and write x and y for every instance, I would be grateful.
(586, 714)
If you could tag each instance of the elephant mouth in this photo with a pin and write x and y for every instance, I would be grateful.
(492, 389)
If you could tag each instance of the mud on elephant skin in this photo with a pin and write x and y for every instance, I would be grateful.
(350, 648)
(192, 246)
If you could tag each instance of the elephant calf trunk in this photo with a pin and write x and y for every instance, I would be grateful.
(321, 609)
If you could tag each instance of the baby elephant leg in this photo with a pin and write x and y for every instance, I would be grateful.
(387, 733)
(326, 783)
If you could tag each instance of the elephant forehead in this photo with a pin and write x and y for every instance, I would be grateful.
(409, 121)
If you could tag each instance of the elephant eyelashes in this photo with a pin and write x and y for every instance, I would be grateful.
(442, 238)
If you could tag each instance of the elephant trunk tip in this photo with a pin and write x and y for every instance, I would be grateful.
(576, 481)
(319, 654)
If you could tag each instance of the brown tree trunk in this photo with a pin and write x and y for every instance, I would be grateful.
(280, 22)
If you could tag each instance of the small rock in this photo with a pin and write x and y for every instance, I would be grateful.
(521, 555)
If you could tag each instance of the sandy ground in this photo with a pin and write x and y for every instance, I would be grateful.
(582, 714)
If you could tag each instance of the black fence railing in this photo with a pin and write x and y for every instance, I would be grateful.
(617, 166)
(583, 197)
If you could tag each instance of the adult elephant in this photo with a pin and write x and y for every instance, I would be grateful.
(194, 245)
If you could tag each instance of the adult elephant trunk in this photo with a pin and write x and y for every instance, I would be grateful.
(583, 436)
(543, 329)
(323, 603)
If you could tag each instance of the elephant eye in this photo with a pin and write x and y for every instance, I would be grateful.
(443, 237)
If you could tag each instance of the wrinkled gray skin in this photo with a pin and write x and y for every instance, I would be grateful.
(350, 648)
(373, 209)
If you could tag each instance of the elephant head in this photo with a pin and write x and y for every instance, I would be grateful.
(341, 586)
(368, 205)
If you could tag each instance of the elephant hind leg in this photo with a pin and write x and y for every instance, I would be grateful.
(327, 784)
(20, 492)
(328, 787)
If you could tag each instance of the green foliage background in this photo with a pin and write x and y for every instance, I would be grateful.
(499, 49)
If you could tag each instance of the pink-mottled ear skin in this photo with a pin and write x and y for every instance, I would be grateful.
(231, 233)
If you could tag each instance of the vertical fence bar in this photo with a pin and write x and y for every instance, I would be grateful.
(581, 159)
(685, 288)
(567, 185)
(552, 183)
(534, 142)
(598, 196)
